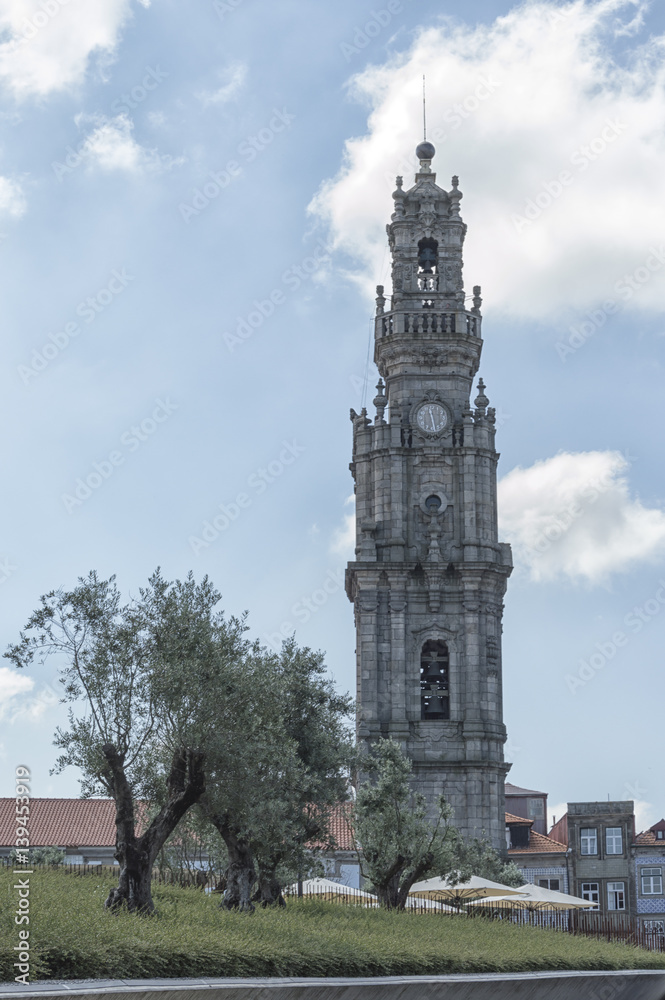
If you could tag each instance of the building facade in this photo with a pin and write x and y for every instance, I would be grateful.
(542, 860)
(600, 838)
(649, 869)
(430, 575)
(528, 804)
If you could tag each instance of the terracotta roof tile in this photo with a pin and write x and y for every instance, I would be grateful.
(511, 818)
(62, 822)
(540, 844)
(340, 826)
(649, 837)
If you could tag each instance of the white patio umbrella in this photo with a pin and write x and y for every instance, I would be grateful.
(326, 889)
(421, 903)
(537, 897)
(475, 888)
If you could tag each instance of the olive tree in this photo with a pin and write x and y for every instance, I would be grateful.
(399, 844)
(270, 793)
(146, 680)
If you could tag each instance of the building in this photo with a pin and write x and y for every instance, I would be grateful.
(83, 828)
(542, 860)
(600, 837)
(649, 867)
(430, 575)
(529, 804)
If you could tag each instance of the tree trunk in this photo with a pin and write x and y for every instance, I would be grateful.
(136, 855)
(269, 891)
(134, 885)
(388, 894)
(240, 874)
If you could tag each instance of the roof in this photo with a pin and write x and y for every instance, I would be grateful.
(62, 822)
(91, 823)
(516, 790)
(649, 836)
(511, 818)
(540, 844)
(340, 826)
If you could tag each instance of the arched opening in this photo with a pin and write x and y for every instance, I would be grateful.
(434, 690)
(428, 253)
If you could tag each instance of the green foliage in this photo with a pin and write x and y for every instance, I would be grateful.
(73, 937)
(41, 855)
(483, 860)
(194, 848)
(400, 845)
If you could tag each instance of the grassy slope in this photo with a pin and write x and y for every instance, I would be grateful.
(73, 937)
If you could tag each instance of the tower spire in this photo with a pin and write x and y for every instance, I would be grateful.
(424, 113)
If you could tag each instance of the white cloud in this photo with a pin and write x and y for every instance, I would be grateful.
(49, 43)
(12, 201)
(237, 76)
(344, 539)
(572, 516)
(12, 684)
(112, 146)
(556, 811)
(645, 815)
(510, 106)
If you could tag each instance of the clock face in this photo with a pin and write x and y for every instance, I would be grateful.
(432, 418)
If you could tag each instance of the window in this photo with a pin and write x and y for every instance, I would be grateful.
(652, 881)
(616, 896)
(655, 927)
(588, 841)
(590, 891)
(613, 840)
(434, 694)
(660, 834)
(550, 883)
(535, 808)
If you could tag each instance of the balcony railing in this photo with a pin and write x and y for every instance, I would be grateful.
(428, 322)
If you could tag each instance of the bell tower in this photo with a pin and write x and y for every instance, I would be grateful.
(429, 576)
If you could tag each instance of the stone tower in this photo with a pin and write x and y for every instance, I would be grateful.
(429, 577)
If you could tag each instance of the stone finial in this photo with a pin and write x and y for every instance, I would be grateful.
(399, 181)
(455, 196)
(481, 400)
(477, 301)
(399, 198)
(380, 300)
(380, 402)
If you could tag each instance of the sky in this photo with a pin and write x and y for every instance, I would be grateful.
(193, 204)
